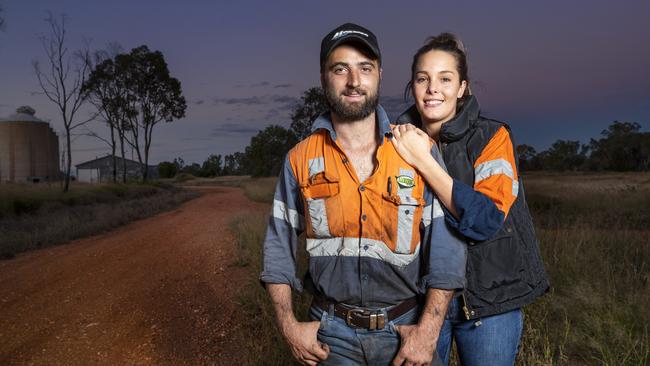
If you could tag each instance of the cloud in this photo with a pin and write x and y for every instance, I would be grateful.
(282, 102)
(283, 86)
(272, 114)
(263, 83)
(196, 139)
(199, 102)
(286, 102)
(237, 101)
(230, 129)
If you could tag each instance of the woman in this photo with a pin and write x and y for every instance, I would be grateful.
(484, 201)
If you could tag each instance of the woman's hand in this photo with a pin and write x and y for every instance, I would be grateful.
(412, 144)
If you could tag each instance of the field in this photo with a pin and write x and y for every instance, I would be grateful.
(37, 216)
(594, 232)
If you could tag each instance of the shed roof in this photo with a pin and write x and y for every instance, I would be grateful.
(92, 164)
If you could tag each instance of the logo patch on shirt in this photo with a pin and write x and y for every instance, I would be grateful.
(404, 181)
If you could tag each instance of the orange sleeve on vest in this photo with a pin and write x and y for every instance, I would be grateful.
(495, 171)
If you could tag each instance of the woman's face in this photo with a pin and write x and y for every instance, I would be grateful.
(437, 86)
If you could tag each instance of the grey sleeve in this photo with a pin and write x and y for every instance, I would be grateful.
(286, 223)
(435, 152)
(445, 256)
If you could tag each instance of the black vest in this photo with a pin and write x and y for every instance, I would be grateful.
(506, 271)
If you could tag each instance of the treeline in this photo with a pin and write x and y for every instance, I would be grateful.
(621, 147)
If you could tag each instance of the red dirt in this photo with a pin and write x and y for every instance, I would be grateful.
(158, 291)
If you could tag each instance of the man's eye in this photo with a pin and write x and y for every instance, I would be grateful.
(366, 69)
(339, 70)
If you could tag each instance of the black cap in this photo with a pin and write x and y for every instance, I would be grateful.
(348, 32)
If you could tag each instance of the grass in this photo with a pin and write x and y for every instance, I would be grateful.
(267, 346)
(37, 216)
(594, 232)
(256, 189)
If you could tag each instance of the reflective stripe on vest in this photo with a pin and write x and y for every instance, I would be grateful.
(282, 212)
(318, 216)
(405, 213)
(430, 212)
(358, 247)
(493, 167)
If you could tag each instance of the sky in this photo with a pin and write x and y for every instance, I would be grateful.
(551, 69)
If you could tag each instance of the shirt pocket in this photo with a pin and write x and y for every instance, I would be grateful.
(323, 206)
(401, 222)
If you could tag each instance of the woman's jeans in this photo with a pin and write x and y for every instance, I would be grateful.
(358, 346)
(491, 340)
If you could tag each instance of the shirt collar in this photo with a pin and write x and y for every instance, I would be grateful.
(324, 121)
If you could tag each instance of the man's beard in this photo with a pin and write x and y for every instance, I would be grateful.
(355, 111)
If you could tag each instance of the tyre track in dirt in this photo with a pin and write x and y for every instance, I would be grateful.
(161, 290)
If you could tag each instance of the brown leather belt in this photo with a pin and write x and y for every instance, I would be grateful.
(367, 318)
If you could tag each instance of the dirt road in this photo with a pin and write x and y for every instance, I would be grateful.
(159, 291)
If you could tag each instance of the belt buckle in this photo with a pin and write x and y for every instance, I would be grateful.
(376, 320)
(351, 312)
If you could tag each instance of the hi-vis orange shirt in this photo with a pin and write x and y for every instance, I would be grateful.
(371, 243)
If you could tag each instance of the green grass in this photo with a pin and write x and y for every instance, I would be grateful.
(594, 232)
(37, 216)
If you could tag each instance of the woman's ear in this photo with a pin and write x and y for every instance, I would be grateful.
(461, 90)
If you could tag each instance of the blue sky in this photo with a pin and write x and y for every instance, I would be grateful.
(553, 69)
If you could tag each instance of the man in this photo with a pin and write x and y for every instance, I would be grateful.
(361, 207)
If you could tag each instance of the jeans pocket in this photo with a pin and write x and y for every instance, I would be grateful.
(323, 321)
(408, 318)
(391, 328)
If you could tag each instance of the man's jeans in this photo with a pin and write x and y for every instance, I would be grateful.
(492, 340)
(357, 346)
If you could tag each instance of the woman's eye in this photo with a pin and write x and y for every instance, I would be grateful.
(446, 80)
(420, 80)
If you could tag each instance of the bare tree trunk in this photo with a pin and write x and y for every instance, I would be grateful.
(147, 144)
(123, 157)
(113, 153)
(66, 94)
(134, 141)
(68, 162)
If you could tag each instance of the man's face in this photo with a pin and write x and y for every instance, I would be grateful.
(351, 83)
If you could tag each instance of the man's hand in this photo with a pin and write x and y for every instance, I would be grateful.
(301, 336)
(302, 340)
(412, 144)
(418, 343)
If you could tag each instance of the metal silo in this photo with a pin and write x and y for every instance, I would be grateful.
(29, 148)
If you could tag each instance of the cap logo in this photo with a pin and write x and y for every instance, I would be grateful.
(340, 34)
